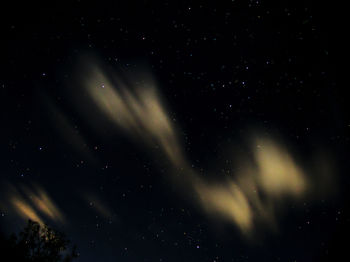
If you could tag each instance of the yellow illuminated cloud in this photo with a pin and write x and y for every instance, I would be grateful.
(25, 211)
(278, 172)
(32, 204)
(140, 113)
(43, 202)
(254, 193)
(227, 201)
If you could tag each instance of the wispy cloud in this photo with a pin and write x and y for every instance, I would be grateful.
(254, 193)
(33, 203)
(100, 206)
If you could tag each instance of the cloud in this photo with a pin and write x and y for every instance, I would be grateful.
(278, 173)
(139, 113)
(33, 203)
(227, 201)
(42, 202)
(24, 210)
(255, 192)
(68, 131)
(252, 194)
(100, 206)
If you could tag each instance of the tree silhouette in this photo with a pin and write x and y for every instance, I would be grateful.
(38, 243)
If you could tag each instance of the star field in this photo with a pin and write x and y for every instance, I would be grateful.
(130, 174)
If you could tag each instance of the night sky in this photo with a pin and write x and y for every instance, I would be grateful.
(176, 131)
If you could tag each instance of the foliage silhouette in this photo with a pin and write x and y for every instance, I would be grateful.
(37, 243)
